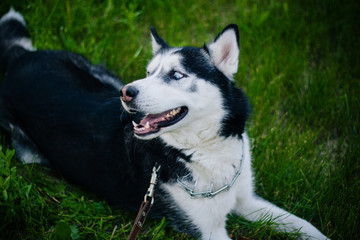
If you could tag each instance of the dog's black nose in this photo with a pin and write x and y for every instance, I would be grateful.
(127, 93)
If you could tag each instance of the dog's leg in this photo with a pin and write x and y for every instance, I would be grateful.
(254, 208)
(214, 230)
(209, 218)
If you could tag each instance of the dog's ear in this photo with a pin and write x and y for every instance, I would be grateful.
(224, 50)
(156, 41)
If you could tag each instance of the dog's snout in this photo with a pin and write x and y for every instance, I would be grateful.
(127, 93)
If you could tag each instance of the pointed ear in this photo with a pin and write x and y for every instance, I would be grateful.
(156, 41)
(224, 50)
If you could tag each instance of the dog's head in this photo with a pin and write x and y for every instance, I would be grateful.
(189, 91)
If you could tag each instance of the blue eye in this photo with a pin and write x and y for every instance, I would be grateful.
(176, 75)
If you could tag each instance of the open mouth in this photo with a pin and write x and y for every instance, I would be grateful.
(152, 123)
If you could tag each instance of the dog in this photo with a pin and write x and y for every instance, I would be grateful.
(185, 116)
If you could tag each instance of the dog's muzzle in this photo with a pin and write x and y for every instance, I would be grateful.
(151, 122)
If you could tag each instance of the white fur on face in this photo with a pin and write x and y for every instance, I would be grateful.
(203, 99)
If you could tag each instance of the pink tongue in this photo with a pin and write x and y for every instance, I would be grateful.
(150, 123)
(153, 119)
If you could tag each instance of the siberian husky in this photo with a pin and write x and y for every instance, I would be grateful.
(185, 115)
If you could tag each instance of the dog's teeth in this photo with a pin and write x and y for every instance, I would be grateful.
(135, 124)
(175, 111)
(147, 125)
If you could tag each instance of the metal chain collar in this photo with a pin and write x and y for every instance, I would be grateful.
(210, 193)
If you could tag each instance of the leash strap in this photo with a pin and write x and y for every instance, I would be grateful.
(145, 206)
(140, 220)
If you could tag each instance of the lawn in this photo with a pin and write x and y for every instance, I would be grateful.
(299, 65)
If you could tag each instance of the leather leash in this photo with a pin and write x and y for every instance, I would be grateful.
(145, 206)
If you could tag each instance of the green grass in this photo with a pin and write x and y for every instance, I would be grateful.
(299, 65)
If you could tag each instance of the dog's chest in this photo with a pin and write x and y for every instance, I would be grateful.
(210, 170)
(203, 214)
